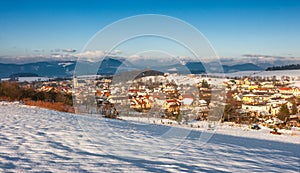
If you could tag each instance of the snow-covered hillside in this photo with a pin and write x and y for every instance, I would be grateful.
(33, 139)
(278, 74)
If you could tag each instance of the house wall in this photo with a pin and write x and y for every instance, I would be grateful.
(256, 108)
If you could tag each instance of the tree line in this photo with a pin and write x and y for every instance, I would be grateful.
(12, 91)
(284, 67)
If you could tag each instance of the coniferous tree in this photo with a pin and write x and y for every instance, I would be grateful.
(294, 109)
(284, 112)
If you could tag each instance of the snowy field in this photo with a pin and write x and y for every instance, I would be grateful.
(278, 74)
(39, 140)
(227, 128)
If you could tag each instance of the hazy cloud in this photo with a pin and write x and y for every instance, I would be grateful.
(263, 61)
(91, 54)
(135, 57)
(95, 55)
(116, 52)
(271, 57)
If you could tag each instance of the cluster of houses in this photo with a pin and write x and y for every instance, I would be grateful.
(244, 100)
(64, 86)
(264, 100)
(58, 85)
(157, 96)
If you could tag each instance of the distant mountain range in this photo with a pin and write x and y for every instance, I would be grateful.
(49, 69)
(108, 66)
(241, 67)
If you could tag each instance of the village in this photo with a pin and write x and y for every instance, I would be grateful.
(245, 100)
(271, 102)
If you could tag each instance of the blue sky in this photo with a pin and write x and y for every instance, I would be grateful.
(234, 28)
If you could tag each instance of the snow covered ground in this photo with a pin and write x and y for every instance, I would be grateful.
(278, 74)
(227, 128)
(40, 140)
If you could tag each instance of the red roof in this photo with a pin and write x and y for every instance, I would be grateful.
(285, 88)
(172, 100)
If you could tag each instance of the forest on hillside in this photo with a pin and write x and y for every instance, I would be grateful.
(12, 91)
(284, 67)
